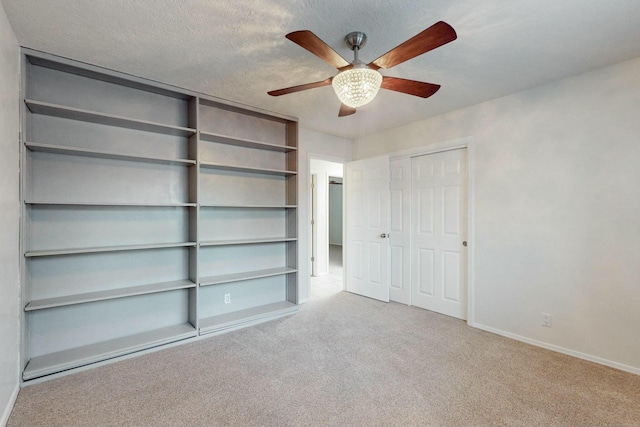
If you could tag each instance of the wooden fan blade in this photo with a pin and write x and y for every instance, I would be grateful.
(345, 110)
(411, 87)
(307, 40)
(300, 88)
(435, 36)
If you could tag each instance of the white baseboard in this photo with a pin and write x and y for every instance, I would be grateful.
(559, 349)
(7, 410)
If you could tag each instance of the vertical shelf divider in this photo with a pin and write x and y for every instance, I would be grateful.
(194, 213)
(292, 215)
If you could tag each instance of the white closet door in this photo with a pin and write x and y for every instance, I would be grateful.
(400, 239)
(367, 216)
(439, 228)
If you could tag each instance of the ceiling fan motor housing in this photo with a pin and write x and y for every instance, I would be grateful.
(356, 39)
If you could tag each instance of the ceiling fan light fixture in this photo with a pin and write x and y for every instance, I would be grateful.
(357, 83)
(357, 86)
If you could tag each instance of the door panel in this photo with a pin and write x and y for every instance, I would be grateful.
(451, 276)
(425, 206)
(367, 218)
(427, 272)
(439, 226)
(375, 253)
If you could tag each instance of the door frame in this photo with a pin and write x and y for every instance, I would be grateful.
(454, 144)
(332, 159)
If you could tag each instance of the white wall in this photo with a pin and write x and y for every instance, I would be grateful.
(323, 169)
(320, 146)
(557, 210)
(9, 218)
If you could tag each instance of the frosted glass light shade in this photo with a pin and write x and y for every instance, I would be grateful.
(357, 86)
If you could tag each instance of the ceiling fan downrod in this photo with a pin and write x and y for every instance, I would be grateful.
(356, 41)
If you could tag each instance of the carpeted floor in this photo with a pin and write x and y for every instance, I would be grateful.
(343, 360)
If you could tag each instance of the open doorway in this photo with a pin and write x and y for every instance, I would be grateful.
(326, 222)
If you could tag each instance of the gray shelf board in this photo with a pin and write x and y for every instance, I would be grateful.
(247, 169)
(247, 143)
(68, 359)
(73, 151)
(110, 204)
(108, 294)
(224, 104)
(249, 275)
(247, 241)
(97, 73)
(72, 251)
(215, 206)
(55, 110)
(263, 312)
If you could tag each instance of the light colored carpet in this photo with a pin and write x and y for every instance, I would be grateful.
(342, 360)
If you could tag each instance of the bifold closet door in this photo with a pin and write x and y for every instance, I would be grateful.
(438, 230)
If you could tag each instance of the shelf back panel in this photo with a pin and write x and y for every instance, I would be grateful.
(251, 293)
(56, 177)
(235, 224)
(78, 134)
(234, 188)
(51, 277)
(218, 260)
(72, 90)
(74, 326)
(54, 227)
(238, 125)
(240, 156)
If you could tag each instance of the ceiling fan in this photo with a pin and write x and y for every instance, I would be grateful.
(357, 83)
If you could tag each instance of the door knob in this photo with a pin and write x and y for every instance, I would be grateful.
(383, 235)
(464, 243)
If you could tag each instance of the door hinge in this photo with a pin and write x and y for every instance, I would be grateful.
(313, 259)
(313, 222)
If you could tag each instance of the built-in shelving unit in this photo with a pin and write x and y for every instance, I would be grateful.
(151, 215)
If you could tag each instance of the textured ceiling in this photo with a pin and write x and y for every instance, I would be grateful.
(236, 50)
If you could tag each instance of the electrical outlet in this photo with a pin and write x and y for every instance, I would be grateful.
(227, 298)
(546, 320)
